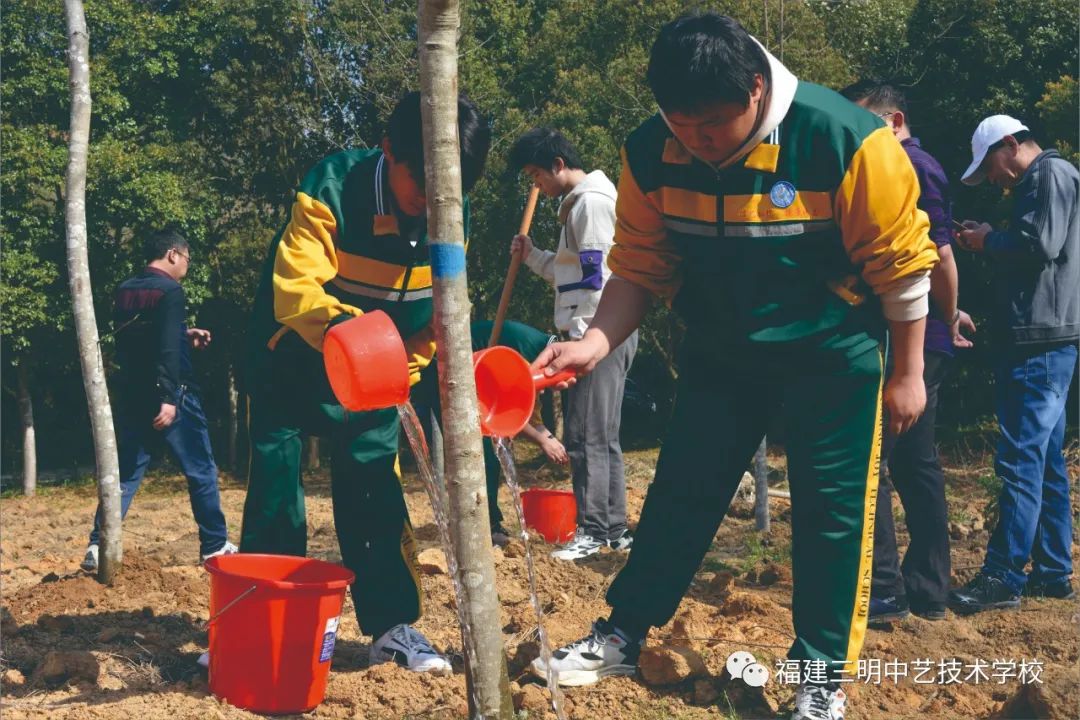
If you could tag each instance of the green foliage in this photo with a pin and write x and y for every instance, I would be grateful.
(206, 115)
(1059, 109)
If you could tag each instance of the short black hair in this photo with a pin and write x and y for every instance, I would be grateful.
(540, 146)
(405, 131)
(158, 244)
(699, 60)
(877, 94)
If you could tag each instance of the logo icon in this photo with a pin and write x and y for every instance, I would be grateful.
(782, 194)
(741, 664)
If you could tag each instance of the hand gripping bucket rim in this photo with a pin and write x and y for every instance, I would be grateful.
(273, 627)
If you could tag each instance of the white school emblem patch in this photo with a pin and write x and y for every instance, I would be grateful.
(782, 194)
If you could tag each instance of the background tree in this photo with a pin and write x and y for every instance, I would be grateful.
(93, 369)
(206, 114)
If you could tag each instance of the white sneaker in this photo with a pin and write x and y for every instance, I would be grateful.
(582, 545)
(604, 651)
(90, 560)
(405, 645)
(819, 702)
(623, 542)
(227, 549)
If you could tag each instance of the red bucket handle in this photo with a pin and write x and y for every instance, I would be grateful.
(229, 605)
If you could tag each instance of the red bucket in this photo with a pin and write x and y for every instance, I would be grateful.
(552, 513)
(366, 362)
(506, 390)
(274, 621)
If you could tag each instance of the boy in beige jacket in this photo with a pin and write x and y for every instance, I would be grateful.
(578, 270)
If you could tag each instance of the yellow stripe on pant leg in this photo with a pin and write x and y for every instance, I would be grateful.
(861, 613)
(408, 548)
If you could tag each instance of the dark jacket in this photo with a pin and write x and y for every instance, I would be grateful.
(1038, 271)
(151, 340)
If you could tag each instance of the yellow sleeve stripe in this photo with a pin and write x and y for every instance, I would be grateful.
(759, 208)
(642, 253)
(676, 202)
(884, 233)
(306, 260)
(381, 274)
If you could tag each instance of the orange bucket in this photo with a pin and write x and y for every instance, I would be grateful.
(506, 390)
(273, 625)
(366, 362)
(552, 513)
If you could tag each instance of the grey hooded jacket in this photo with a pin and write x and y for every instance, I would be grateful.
(1038, 258)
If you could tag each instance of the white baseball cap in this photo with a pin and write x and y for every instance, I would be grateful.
(990, 131)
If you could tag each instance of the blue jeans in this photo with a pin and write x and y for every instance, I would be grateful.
(189, 442)
(1035, 515)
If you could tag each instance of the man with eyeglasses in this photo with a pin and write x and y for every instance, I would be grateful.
(1036, 328)
(155, 396)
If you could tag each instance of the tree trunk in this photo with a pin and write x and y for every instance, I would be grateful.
(93, 370)
(313, 461)
(234, 420)
(470, 529)
(26, 412)
(761, 489)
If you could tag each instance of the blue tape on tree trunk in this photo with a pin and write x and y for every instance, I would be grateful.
(447, 260)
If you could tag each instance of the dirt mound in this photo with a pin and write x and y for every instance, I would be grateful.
(141, 583)
(74, 649)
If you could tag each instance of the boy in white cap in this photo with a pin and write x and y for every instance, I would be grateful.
(1037, 325)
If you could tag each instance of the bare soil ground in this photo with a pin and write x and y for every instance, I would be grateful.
(72, 648)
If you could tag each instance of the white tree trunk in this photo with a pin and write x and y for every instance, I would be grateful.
(234, 419)
(470, 529)
(761, 489)
(93, 370)
(26, 413)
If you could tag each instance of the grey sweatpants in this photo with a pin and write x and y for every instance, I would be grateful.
(593, 413)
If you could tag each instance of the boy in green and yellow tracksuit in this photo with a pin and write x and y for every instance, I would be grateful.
(356, 242)
(779, 221)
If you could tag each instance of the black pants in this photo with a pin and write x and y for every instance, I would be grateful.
(915, 472)
(719, 418)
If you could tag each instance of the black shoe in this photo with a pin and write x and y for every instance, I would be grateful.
(983, 593)
(500, 536)
(932, 611)
(889, 609)
(1061, 590)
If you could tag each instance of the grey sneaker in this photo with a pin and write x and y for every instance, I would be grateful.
(819, 702)
(405, 645)
(500, 536)
(582, 545)
(227, 549)
(604, 651)
(90, 560)
(622, 542)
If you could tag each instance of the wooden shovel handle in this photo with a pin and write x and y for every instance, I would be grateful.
(515, 264)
